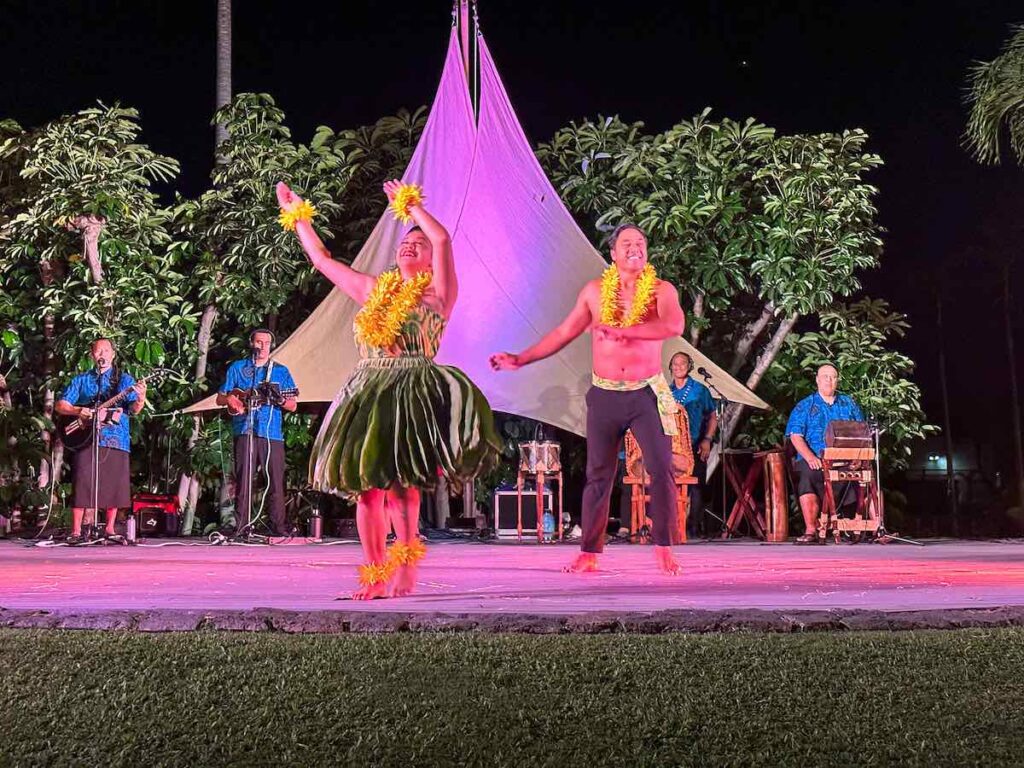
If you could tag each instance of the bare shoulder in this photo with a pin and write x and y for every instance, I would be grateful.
(667, 291)
(591, 291)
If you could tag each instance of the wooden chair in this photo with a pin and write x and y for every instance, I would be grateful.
(682, 472)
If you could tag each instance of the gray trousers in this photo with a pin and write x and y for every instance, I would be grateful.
(264, 472)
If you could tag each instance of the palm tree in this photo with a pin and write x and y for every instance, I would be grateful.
(223, 63)
(996, 98)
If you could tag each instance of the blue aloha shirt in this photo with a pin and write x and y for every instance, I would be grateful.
(698, 402)
(243, 374)
(91, 388)
(811, 417)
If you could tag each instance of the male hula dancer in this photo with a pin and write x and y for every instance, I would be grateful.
(630, 313)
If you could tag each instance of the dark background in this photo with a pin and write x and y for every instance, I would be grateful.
(897, 70)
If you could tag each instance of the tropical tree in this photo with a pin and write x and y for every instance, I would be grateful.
(86, 251)
(245, 266)
(996, 98)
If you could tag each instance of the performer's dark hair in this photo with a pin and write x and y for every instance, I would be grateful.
(613, 238)
(273, 338)
(688, 360)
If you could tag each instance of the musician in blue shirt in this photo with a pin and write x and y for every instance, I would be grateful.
(806, 430)
(80, 399)
(264, 422)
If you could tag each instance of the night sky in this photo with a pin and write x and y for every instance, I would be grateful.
(895, 69)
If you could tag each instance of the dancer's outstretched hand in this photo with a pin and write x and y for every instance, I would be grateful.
(285, 197)
(505, 361)
(391, 189)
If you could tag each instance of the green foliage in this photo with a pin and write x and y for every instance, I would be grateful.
(856, 338)
(245, 263)
(731, 208)
(21, 449)
(996, 98)
(376, 153)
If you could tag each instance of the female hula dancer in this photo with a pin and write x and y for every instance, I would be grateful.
(400, 420)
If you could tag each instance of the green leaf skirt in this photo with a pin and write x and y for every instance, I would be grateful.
(403, 420)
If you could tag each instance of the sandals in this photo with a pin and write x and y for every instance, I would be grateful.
(807, 538)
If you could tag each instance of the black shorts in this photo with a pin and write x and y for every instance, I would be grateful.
(813, 481)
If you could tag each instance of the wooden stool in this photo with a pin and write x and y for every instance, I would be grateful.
(639, 497)
(638, 480)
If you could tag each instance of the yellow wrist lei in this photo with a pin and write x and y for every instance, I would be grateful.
(406, 554)
(643, 298)
(381, 319)
(304, 211)
(406, 197)
(374, 573)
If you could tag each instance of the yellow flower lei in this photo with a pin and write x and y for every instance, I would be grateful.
(643, 298)
(374, 573)
(406, 197)
(381, 319)
(304, 211)
(406, 554)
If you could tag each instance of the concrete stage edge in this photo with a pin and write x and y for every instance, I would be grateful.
(185, 585)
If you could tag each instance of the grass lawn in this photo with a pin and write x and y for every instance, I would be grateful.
(206, 699)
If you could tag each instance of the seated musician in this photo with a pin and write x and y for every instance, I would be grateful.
(806, 430)
(243, 377)
(80, 397)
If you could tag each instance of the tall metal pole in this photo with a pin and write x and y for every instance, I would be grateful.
(947, 429)
(1014, 394)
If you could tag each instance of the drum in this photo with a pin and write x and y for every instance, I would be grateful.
(537, 457)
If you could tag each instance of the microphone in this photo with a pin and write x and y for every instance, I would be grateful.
(704, 372)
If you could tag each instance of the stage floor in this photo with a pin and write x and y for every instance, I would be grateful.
(471, 578)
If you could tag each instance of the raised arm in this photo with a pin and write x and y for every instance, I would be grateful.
(444, 283)
(575, 323)
(352, 282)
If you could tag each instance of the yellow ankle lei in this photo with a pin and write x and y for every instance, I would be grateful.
(406, 554)
(392, 299)
(643, 298)
(372, 574)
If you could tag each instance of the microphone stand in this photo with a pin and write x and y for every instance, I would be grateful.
(251, 404)
(721, 403)
(881, 535)
(94, 449)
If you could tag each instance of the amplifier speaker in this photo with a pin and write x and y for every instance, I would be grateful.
(505, 511)
(156, 514)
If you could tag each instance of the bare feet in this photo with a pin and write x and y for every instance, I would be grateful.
(666, 562)
(404, 580)
(373, 581)
(584, 562)
(371, 591)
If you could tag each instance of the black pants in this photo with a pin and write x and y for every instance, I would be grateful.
(609, 415)
(696, 494)
(261, 468)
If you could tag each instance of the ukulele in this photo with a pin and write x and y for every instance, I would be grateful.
(76, 432)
